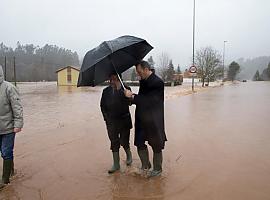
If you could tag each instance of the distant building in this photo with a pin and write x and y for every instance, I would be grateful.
(68, 75)
(178, 78)
(187, 74)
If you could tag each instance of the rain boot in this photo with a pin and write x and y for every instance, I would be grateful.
(144, 157)
(7, 167)
(157, 162)
(116, 164)
(129, 157)
(12, 172)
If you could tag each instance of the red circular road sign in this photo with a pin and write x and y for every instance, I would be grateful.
(193, 69)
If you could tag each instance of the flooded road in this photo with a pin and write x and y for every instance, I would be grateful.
(218, 147)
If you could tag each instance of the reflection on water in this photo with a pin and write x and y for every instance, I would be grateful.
(126, 186)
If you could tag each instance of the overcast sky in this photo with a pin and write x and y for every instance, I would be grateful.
(166, 24)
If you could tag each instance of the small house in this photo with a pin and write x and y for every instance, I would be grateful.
(68, 75)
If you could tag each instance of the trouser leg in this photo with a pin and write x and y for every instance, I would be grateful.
(144, 156)
(7, 146)
(114, 139)
(124, 141)
(157, 162)
(115, 145)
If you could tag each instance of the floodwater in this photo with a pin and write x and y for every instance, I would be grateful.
(218, 147)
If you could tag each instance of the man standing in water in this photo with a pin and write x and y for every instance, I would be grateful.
(115, 109)
(11, 122)
(149, 117)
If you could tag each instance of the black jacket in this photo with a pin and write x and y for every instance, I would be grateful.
(115, 109)
(149, 115)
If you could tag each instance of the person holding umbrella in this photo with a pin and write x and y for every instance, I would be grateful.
(115, 109)
(149, 117)
(114, 57)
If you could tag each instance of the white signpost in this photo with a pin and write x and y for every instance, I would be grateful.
(193, 70)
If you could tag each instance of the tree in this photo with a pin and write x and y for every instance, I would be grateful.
(207, 59)
(163, 65)
(133, 75)
(170, 71)
(178, 70)
(257, 77)
(234, 69)
(34, 63)
(265, 76)
(151, 62)
(219, 72)
(30, 49)
(268, 70)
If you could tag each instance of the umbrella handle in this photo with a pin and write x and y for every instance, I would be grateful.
(117, 73)
(121, 81)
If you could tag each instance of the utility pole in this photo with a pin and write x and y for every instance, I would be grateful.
(224, 42)
(193, 49)
(15, 79)
(5, 68)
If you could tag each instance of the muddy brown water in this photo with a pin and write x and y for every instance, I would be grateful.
(218, 148)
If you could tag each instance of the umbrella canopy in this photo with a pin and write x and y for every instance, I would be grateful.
(115, 55)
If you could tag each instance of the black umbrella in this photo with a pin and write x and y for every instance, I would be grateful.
(116, 55)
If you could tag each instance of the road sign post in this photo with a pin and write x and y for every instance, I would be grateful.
(193, 70)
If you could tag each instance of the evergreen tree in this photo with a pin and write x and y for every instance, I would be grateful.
(257, 76)
(170, 71)
(34, 63)
(178, 70)
(234, 69)
(268, 70)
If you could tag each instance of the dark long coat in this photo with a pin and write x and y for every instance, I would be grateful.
(115, 109)
(149, 114)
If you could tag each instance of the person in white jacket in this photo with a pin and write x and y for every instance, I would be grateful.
(11, 122)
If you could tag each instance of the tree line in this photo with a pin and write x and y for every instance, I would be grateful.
(207, 60)
(34, 63)
(264, 76)
(251, 65)
(164, 68)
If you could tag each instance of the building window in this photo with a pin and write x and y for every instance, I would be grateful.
(69, 74)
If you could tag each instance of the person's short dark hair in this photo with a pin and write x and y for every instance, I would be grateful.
(144, 64)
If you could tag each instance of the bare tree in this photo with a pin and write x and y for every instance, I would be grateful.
(207, 60)
(163, 63)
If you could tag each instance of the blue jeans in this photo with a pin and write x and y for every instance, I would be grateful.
(7, 145)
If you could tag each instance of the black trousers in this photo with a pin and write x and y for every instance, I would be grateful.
(118, 137)
(143, 146)
(140, 140)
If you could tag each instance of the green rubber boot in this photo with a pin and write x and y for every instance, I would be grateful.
(7, 168)
(129, 157)
(144, 157)
(157, 162)
(116, 163)
(2, 185)
(12, 172)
